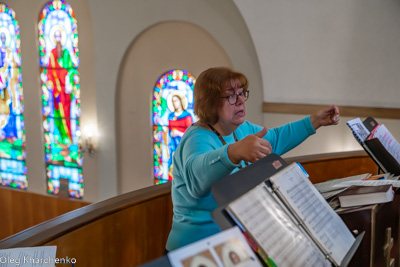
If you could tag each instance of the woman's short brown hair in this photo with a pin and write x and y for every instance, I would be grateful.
(209, 88)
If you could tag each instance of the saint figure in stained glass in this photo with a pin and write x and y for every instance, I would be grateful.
(172, 115)
(12, 128)
(59, 60)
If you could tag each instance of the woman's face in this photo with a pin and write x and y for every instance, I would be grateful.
(231, 116)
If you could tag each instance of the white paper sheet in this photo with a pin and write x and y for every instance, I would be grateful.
(32, 256)
(274, 230)
(387, 140)
(359, 130)
(320, 219)
(328, 186)
(394, 183)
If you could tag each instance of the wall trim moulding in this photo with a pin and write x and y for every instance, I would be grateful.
(345, 111)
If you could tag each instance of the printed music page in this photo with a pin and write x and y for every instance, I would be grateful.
(324, 225)
(359, 130)
(387, 140)
(274, 231)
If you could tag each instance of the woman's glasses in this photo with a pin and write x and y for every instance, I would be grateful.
(233, 98)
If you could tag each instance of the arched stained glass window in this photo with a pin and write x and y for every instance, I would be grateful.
(59, 62)
(12, 125)
(172, 115)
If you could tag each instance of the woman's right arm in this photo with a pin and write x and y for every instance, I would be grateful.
(203, 162)
(251, 148)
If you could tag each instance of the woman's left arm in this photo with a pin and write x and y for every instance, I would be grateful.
(325, 117)
(288, 136)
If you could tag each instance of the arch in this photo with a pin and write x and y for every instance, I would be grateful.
(59, 62)
(12, 125)
(184, 46)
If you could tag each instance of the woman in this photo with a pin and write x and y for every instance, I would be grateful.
(220, 143)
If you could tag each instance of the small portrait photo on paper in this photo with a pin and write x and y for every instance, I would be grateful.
(233, 253)
(201, 259)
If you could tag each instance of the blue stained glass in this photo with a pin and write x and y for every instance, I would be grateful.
(12, 126)
(59, 60)
(172, 115)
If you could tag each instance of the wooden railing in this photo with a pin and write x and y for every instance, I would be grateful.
(132, 229)
(122, 231)
(20, 209)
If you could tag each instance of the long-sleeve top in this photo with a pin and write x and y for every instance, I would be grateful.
(200, 160)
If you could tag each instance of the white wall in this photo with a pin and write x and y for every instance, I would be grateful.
(322, 52)
(345, 52)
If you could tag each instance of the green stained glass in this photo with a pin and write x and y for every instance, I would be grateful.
(59, 61)
(12, 125)
(172, 115)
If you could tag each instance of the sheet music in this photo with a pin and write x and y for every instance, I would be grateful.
(228, 248)
(394, 183)
(359, 130)
(320, 219)
(330, 194)
(387, 140)
(328, 185)
(274, 231)
(28, 257)
(327, 190)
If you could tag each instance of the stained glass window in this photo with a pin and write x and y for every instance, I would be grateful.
(59, 62)
(172, 115)
(12, 125)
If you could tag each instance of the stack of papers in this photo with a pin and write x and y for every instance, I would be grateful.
(332, 188)
(390, 180)
(329, 189)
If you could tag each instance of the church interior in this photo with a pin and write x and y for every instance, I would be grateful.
(298, 56)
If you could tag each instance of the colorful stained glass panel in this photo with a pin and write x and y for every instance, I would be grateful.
(59, 61)
(172, 115)
(12, 125)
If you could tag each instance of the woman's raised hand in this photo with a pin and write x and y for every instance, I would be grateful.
(251, 148)
(325, 117)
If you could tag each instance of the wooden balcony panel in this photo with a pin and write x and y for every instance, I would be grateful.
(22, 209)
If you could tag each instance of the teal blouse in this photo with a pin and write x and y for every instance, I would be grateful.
(200, 160)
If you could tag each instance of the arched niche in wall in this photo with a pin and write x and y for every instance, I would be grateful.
(162, 47)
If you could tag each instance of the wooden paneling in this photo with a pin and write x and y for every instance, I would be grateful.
(127, 230)
(21, 209)
(346, 111)
(126, 238)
